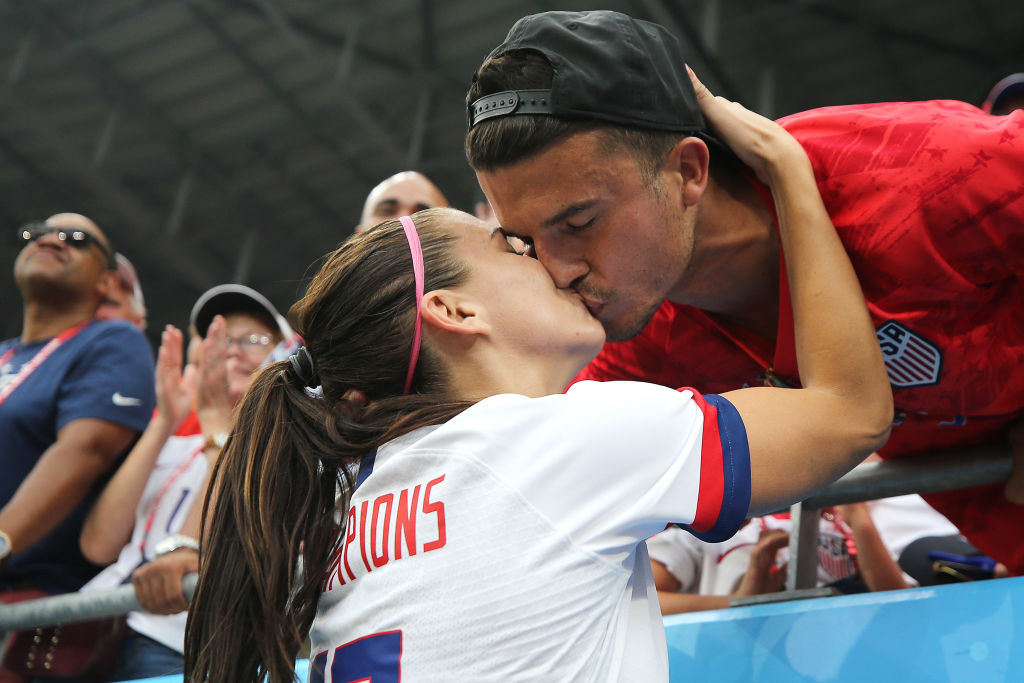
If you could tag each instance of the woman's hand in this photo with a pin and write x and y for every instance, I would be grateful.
(763, 574)
(760, 143)
(158, 583)
(175, 388)
(214, 403)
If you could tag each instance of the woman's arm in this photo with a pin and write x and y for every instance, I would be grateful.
(801, 439)
(110, 522)
(158, 584)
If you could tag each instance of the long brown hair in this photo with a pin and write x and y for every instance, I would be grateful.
(285, 470)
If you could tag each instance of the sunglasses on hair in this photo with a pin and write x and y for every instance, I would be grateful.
(79, 239)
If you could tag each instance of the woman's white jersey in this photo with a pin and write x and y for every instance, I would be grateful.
(508, 543)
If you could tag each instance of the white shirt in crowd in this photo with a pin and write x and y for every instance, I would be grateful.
(718, 568)
(176, 480)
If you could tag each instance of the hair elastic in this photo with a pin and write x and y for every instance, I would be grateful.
(417, 269)
(302, 365)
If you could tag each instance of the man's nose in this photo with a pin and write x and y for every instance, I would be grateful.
(50, 239)
(564, 269)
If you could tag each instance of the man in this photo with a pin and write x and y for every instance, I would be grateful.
(587, 140)
(124, 298)
(74, 394)
(402, 194)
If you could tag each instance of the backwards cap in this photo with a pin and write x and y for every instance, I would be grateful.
(607, 66)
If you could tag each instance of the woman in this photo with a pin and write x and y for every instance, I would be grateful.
(141, 514)
(495, 529)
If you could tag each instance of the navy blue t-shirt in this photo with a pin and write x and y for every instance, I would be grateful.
(105, 372)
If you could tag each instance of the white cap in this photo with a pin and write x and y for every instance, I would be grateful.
(232, 298)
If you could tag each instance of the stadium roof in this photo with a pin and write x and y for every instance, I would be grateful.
(235, 140)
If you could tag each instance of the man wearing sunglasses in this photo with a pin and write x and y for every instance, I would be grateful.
(74, 394)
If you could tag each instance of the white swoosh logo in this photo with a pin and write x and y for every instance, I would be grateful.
(120, 400)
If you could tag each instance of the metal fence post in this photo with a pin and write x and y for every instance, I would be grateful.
(803, 547)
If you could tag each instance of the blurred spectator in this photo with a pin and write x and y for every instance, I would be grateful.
(933, 560)
(140, 514)
(74, 394)
(1006, 96)
(402, 194)
(858, 547)
(124, 300)
(485, 212)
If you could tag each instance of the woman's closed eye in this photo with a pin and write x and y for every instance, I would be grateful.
(519, 245)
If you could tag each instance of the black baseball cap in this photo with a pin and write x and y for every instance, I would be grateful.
(607, 66)
(234, 298)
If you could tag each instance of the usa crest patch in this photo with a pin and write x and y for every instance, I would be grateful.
(910, 359)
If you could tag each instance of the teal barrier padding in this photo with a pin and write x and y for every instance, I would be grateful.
(301, 667)
(960, 633)
(965, 632)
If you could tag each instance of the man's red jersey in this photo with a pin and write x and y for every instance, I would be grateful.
(928, 199)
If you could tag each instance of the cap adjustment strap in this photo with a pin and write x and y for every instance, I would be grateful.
(510, 102)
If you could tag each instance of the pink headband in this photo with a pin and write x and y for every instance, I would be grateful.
(417, 269)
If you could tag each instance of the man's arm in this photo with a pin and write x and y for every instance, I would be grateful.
(674, 602)
(84, 450)
(762, 576)
(877, 567)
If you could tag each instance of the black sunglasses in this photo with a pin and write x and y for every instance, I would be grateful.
(79, 239)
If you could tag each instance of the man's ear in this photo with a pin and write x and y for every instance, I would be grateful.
(687, 165)
(106, 282)
(454, 312)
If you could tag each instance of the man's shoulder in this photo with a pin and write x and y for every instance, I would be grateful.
(108, 375)
(872, 113)
(112, 329)
(112, 337)
(926, 133)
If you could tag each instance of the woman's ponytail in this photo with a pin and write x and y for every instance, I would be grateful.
(287, 469)
(272, 498)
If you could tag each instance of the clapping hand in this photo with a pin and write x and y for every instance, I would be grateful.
(763, 574)
(175, 388)
(214, 402)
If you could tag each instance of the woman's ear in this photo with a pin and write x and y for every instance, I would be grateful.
(454, 312)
